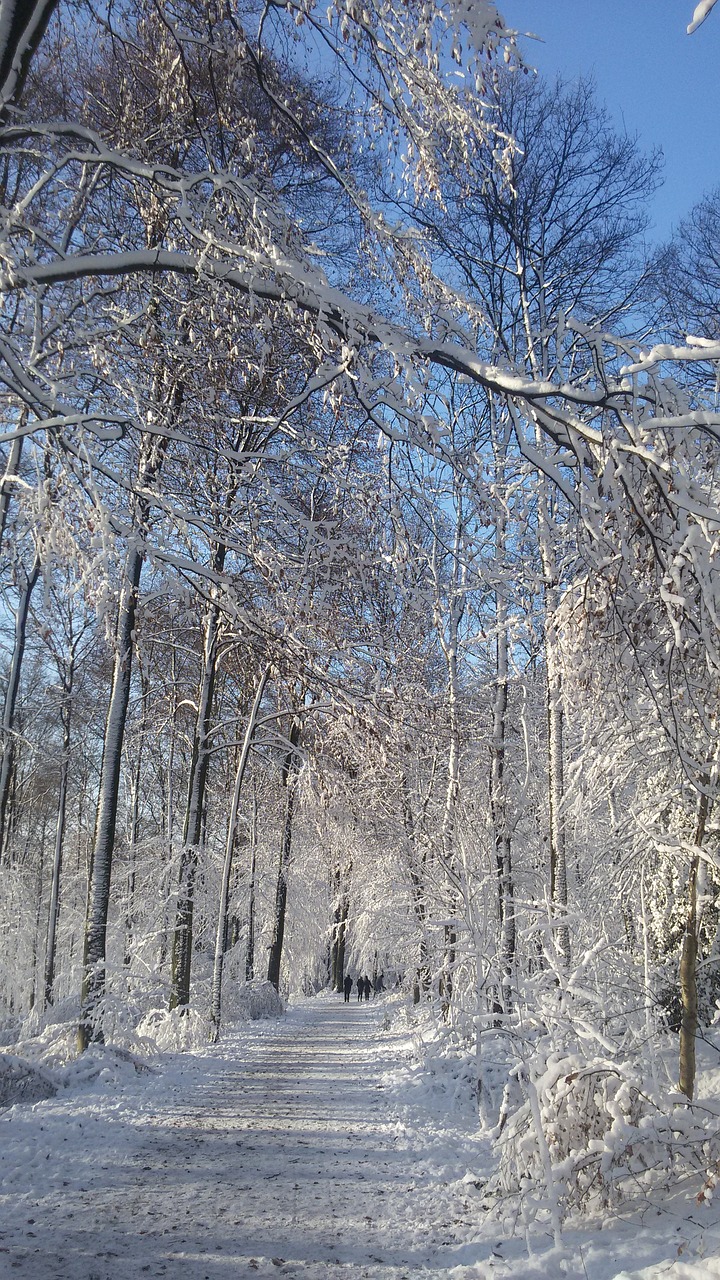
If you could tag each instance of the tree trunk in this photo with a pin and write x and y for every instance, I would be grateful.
(168, 819)
(556, 792)
(250, 950)
(135, 820)
(193, 826)
(11, 471)
(289, 778)
(98, 900)
(498, 808)
(555, 765)
(333, 952)
(38, 915)
(54, 911)
(7, 730)
(21, 31)
(688, 964)
(341, 943)
(93, 985)
(451, 647)
(416, 865)
(498, 789)
(340, 917)
(221, 932)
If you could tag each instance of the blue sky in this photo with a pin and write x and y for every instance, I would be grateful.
(657, 81)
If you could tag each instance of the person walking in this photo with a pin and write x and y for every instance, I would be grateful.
(360, 986)
(367, 986)
(347, 987)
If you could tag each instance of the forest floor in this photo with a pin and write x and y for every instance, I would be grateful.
(310, 1146)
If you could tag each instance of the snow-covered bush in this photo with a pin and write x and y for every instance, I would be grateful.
(604, 1133)
(107, 1063)
(249, 1001)
(26, 1080)
(182, 1031)
(9, 1025)
(173, 1031)
(50, 1057)
(51, 1042)
(20, 1081)
(445, 1061)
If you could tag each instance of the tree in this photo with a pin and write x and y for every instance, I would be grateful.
(221, 938)
(289, 775)
(67, 661)
(558, 241)
(248, 229)
(684, 290)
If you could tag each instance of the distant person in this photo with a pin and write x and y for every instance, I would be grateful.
(367, 986)
(360, 986)
(347, 987)
(378, 984)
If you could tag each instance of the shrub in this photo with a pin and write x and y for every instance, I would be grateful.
(605, 1134)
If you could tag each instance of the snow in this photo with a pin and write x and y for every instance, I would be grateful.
(311, 1145)
(20, 1081)
(700, 14)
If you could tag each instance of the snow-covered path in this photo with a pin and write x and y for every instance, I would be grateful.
(277, 1153)
(308, 1147)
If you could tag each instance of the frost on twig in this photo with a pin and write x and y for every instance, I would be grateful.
(700, 14)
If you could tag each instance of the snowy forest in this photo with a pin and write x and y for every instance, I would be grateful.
(359, 525)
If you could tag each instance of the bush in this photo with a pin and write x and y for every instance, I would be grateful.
(253, 1000)
(20, 1081)
(607, 1134)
